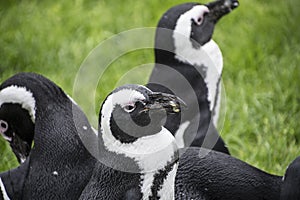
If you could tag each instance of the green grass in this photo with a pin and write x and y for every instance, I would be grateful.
(260, 44)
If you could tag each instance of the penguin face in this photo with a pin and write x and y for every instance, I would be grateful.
(191, 24)
(132, 111)
(17, 119)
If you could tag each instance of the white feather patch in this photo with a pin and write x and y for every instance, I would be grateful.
(151, 153)
(167, 191)
(19, 95)
(208, 55)
(3, 190)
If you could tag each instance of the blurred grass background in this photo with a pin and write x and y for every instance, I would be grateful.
(259, 40)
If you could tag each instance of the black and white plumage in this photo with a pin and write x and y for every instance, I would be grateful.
(130, 147)
(59, 165)
(189, 64)
(17, 118)
(138, 156)
(290, 189)
(12, 182)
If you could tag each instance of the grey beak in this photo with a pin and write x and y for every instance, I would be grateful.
(220, 8)
(168, 102)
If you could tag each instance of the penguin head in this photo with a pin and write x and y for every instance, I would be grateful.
(131, 129)
(133, 111)
(190, 24)
(17, 119)
(20, 96)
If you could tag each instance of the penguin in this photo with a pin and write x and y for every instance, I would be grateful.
(189, 63)
(140, 160)
(137, 155)
(290, 189)
(12, 182)
(59, 165)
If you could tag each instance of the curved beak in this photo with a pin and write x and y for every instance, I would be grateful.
(219, 8)
(164, 101)
(20, 148)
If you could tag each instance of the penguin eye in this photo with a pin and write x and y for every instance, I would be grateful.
(198, 21)
(3, 126)
(129, 108)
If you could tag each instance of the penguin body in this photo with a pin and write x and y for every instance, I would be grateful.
(12, 182)
(290, 189)
(59, 165)
(137, 155)
(126, 150)
(189, 64)
(208, 175)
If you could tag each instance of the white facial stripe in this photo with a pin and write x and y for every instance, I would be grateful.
(151, 153)
(4, 193)
(143, 146)
(122, 97)
(184, 22)
(208, 55)
(19, 95)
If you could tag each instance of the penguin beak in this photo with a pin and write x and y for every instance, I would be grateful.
(20, 148)
(219, 8)
(163, 101)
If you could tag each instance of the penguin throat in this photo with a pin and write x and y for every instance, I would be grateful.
(207, 59)
(150, 153)
(156, 157)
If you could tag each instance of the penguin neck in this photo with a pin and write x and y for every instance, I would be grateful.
(153, 157)
(201, 66)
(207, 56)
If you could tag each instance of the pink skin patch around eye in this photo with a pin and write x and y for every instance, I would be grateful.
(3, 129)
(199, 18)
